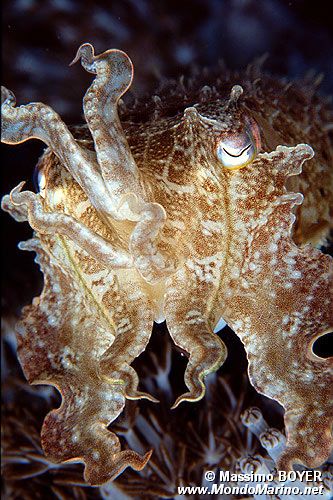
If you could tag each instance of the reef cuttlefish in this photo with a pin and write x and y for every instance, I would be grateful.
(192, 214)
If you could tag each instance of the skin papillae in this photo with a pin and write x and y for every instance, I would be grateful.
(188, 215)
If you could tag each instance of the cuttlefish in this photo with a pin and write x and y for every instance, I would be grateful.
(213, 206)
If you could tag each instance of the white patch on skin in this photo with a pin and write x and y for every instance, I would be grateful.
(56, 288)
(245, 284)
(75, 437)
(234, 273)
(293, 329)
(238, 225)
(195, 321)
(207, 269)
(212, 226)
(273, 247)
(237, 325)
(178, 224)
(285, 319)
(124, 326)
(66, 363)
(52, 321)
(50, 357)
(193, 313)
(307, 376)
(178, 188)
(135, 295)
(289, 260)
(79, 401)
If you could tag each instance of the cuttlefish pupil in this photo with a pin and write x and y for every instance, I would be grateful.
(239, 154)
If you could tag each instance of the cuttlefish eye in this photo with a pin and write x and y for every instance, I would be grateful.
(239, 149)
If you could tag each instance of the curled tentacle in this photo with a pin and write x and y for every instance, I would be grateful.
(122, 67)
(36, 120)
(61, 339)
(122, 178)
(60, 223)
(114, 73)
(204, 359)
(189, 329)
(115, 175)
(18, 212)
(150, 261)
(128, 377)
(64, 437)
(115, 361)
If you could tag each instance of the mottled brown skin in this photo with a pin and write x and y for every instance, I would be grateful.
(149, 223)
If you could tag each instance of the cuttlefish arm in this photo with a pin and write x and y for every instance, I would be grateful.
(109, 176)
(62, 339)
(280, 303)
